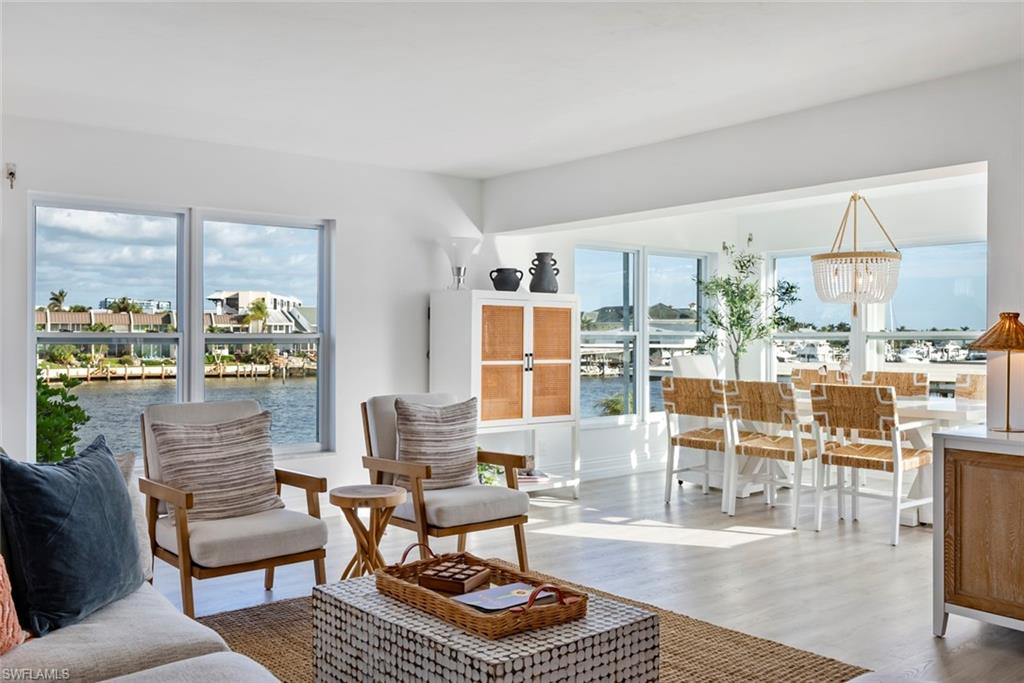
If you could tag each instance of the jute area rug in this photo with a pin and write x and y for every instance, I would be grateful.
(279, 636)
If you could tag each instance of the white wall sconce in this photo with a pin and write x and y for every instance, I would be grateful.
(460, 250)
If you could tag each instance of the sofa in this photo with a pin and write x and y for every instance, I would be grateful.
(141, 637)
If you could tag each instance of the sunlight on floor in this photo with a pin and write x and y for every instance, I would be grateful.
(651, 531)
(553, 503)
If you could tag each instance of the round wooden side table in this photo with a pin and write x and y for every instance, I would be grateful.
(382, 501)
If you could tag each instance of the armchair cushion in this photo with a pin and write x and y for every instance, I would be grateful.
(467, 505)
(222, 542)
(228, 467)
(443, 437)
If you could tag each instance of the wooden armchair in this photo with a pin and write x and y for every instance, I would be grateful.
(209, 548)
(440, 513)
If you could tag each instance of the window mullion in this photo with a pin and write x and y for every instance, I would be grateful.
(195, 358)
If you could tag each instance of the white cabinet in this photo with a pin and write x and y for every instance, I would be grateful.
(518, 353)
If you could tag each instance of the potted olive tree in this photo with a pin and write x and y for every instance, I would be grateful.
(739, 311)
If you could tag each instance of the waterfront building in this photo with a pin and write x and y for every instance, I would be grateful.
(147, 305)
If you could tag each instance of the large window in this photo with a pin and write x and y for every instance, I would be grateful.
(111, 315)
(673, 315)
(938, 309)
(820, 334)
(607, 288)
(260, 283)
(612, 285)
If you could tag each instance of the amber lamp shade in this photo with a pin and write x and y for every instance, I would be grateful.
(1006, 335)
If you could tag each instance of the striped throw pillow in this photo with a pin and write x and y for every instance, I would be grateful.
(11, 632)
(228, 467)
(443, 437)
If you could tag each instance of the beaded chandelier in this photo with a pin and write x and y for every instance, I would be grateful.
(856, 277)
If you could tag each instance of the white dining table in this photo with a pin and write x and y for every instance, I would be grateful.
(938, 412)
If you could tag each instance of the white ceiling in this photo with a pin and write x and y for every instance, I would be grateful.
(474, 89)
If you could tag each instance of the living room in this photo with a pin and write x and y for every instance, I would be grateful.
(306, 205)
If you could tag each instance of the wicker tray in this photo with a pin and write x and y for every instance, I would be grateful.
(400, 582)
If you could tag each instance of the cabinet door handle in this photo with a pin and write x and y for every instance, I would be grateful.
(528, 367)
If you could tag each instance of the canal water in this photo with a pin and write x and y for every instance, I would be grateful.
(114, 407)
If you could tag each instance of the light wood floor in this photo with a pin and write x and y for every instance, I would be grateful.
(844, 592)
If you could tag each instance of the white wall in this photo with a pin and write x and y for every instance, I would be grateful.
(973, 117)
(387, 262)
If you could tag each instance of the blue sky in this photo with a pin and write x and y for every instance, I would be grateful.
(97, 254)
(599, 276)
(940, 286)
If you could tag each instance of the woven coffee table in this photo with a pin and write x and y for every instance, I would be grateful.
(361, 635)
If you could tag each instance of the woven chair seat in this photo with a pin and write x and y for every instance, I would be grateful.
(776, 447)
(874, 457)
(706, 439)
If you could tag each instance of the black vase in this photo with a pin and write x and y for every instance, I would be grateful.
(544, 274)
(506, 279)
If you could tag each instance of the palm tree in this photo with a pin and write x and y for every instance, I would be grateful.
(125, 305)
(257, 314)
(57, 300)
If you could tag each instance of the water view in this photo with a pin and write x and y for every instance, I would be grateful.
(114, 407)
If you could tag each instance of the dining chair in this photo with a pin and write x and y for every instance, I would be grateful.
(704, 399)
(440, 513)
(803, 378)
(906, 384)
(847, 413)
(770, 408)
(970, 387)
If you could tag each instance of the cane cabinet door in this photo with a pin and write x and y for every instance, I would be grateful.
(502, 361)
(984, 532)
(551, 361)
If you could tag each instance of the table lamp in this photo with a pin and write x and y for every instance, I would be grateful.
(1006, 335)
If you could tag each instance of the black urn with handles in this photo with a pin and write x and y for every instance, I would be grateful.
(506, 279)
(544, 273)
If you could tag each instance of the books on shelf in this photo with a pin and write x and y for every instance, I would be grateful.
(533, 476)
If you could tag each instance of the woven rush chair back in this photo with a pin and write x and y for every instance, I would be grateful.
(970, 387)
(906, 384)
(803, 378)
(696, 396)
(768, 402)
(869, 410)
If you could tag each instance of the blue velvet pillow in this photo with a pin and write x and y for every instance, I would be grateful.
(70, 536)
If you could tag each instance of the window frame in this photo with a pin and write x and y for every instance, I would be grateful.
(324, 335)
(771, 277)
(703, 264)
(190, 336)
(641, 334)
(634, 335)
(859, 338)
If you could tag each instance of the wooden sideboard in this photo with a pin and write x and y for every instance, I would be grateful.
(979, 527)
